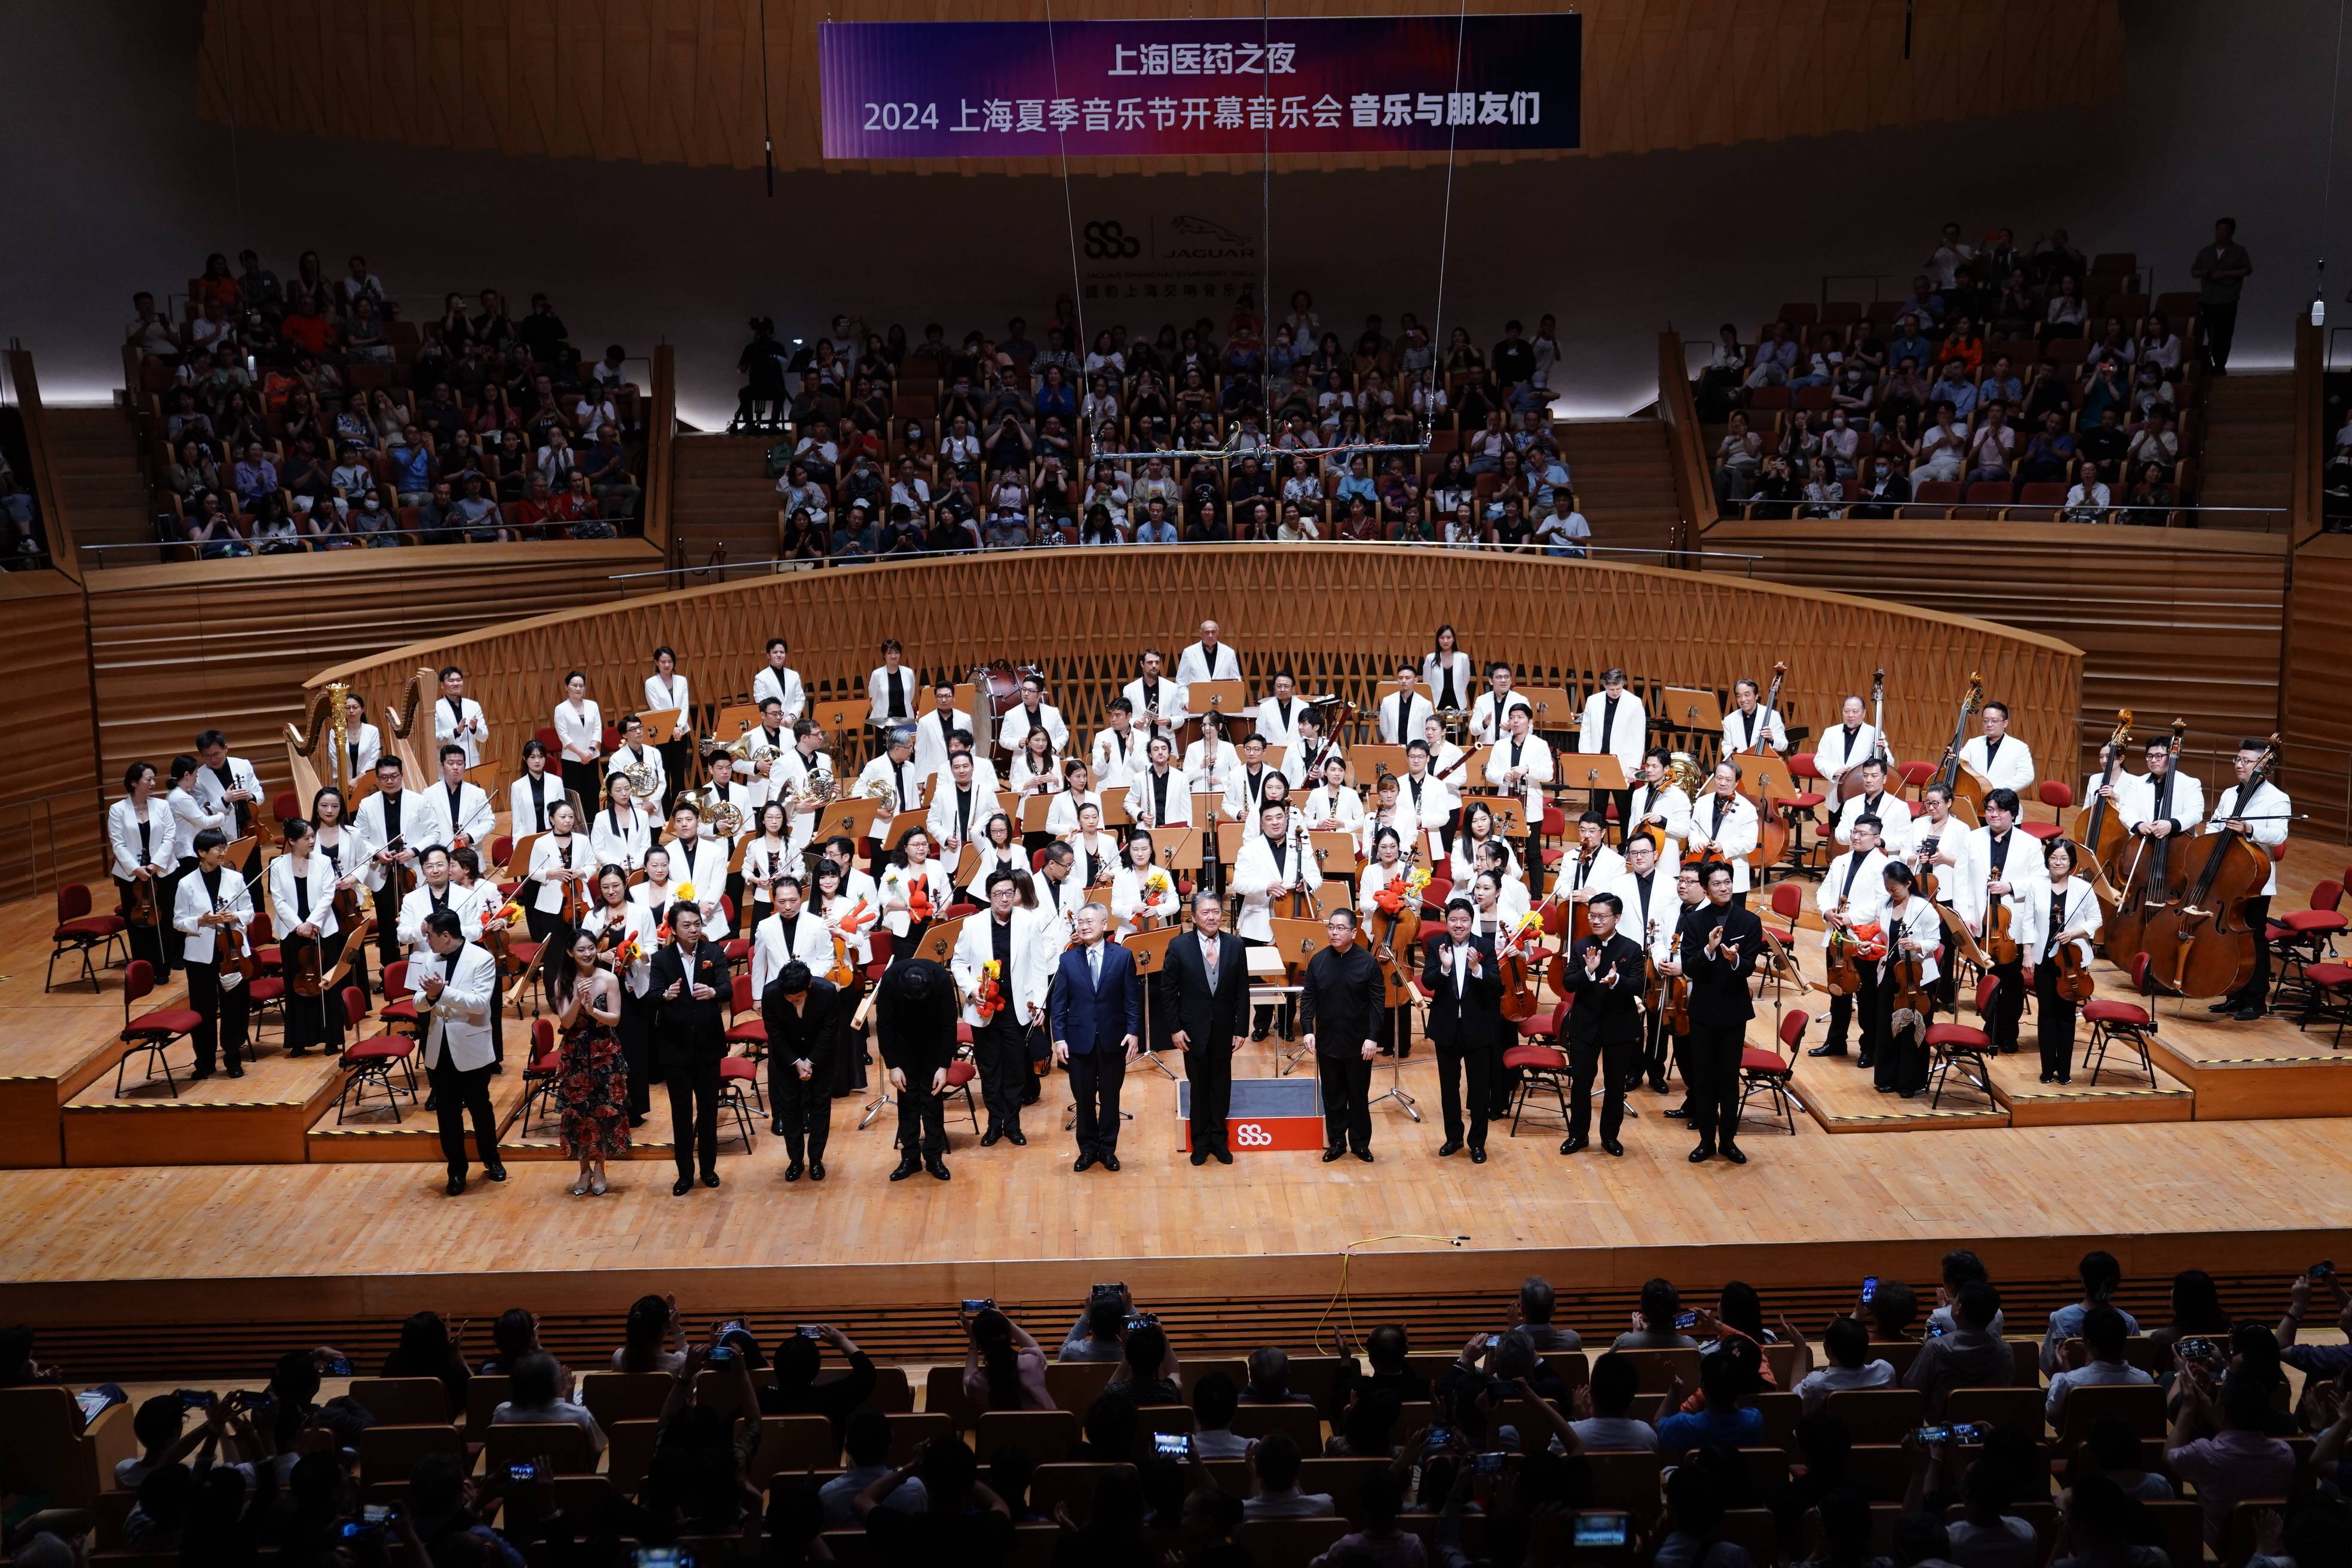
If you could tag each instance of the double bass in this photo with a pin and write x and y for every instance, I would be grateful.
(2100, 827)
(2144, 872)
(1968, 787)
(2202, 945)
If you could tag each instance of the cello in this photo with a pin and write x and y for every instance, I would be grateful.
(2100, 828)
(1968, 788)
(2141, 868)
(1395, 926)
(2203, 944)
(1516, 962)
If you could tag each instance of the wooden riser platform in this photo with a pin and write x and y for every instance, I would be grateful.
(258, 1119)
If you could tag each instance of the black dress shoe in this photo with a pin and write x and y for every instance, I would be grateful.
(1013, 1135)
(988, 1139)
(1083, 1163)
(1676, 1113)
(2045, 1077)
(2245, 1015)
(1331, 1154)
(682, 1186)
(1478, 1156)
(1200, 1156)
(906, 1167)
(495, 1172)
(937, 1168)
(1259, 1034)
(237, 1069)
(709, 1178)
(1733, 1153)
(457, 1186)
(1611, 1146)
(777, 1127)
(816, 1170)
(1225, 1156)
(1572, 1146)
(1865, 1061)
(1657, 1086)
(1703, 1153)
(1451, 1146)
(200, 1075)
(793, 1171)
(1826, 1051)
(2226, 1004)
(1365, 1155)
(1110, 1162)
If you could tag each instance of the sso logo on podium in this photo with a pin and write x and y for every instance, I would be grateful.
(1267, 1114)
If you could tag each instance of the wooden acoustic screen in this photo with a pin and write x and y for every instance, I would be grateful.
(2319, 728)
(1340, 616)
(680, 81)
(52, 809)
(227, 644)
(2173, 623)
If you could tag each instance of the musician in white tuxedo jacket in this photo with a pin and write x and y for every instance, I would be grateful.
(1659, 802)
(1448, 675)
(212, 897)
(777, 678)
(2162, 801)
(1853, 892)
(1844, 747)
(1032, 712)
(622, 833)
(1267, 866)
(392, 825)
(1277, 717)
(667, 690)
(795, 774)
(230, 786)
(1207, 659)
(634, 752)
(894, 887)
(363, 742)
(2073, 924)
(2261, 811)
(457, 718)
(1211, 761)
(1750, 726)
(617, 918)
(436, 891)
(791, 935)
(1161, 795)
(1520, 764)
(1119, 752)
(1912, 924)
(889, 693)
(561, 857)
(301, 884)
(1153, 693)
(2004, 863)
(1725, 820)
(459, 982)
(1646, 890)
(1388, 811)
(932, 729)
(1399, 719)
(1024, 945)
(1245, 784)
(891, 779)
(1495, 702)
(533, 796)
(1590, 866)
(1431, 796)
(1874, 799)
(143, 840)
(1998, 759)
(959, 809)
(1310, 747)
(698, 860)
(1614, 721)
(461, 812)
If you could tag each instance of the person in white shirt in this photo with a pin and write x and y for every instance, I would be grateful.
(1873, 800)
(668, 691)
(791, 935)
(1724, 821)
(461, 811)
(623, 832)
(890, 778)
(1401, 714)
(457, 718)
(1251, 784)
(213, 898)
(697, 868)
(2256, 809)
(1157, 701)
(1003, 964)
(460, 983)
(363, 742)
(1850, 1365)
(1750, 726)
(1431, 798)
(891, 691)
(777, 678)
(1852, 893)
(1207, 659)
(768, 857)
(1062, 811)
(391, 824)
(1033, 712)
(579, 738)
(143, 839)
(1844, 747)
(932, 729)
(1660, 803)
(1160, 797)
(1912, 927)
(1331, 807)
(301, 888)
(2005, 869)
(1143, 895)
(1485, 714)
(1445, 670)
(2097, 1360)
(561, 858)
(1211, 761)
(1389, 811)
(2162, 803)
(1614, 721)
(1094, 854)
(1646, 892)
(1119, 750)
(998, 849)
(1520, 764)
(959, 808)
(2074, 922)
(1592, 866)
(798, 775)
(1479, 827)
(1269, 866)
(634, 752)
(914, 889)
(1277, 717)
(230, 786)
(1997, 759)
(536, 793)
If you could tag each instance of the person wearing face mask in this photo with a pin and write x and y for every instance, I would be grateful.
(1884, 488)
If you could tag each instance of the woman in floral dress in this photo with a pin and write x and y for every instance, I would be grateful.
(592, 1082)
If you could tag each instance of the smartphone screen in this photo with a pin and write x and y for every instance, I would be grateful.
(1869, 1289)
(1600, 1530)
(1688, 1320)
(1172, 1444)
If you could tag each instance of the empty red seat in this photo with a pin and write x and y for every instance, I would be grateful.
(961, 1072)
(2103, 1010)
(1753, 1059)
(1541, 1058)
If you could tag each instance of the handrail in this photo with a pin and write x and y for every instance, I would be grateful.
(1687, 450)
(57, 528)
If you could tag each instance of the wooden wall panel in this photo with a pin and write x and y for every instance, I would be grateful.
(2318, 727)
(227, 643)
(51, 812)
(2172, 623)
(678, 82)
(1341, 615)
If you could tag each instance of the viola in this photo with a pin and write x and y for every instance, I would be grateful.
(1677, 997)
(1844, 974)
(2000, 945)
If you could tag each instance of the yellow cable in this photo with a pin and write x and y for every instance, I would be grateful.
(1347, 1256)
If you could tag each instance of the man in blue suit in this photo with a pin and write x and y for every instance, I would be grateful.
(1098, 1017)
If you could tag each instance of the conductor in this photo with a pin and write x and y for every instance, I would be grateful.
(1209, 971)
(1341, 1011)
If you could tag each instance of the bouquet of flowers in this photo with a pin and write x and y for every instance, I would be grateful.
(510, 914)
(1157, 886)
(686, 892)
(991, 990)
(628, 953)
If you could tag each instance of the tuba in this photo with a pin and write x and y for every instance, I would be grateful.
(1684, 771)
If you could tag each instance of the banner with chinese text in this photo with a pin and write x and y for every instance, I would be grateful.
(1099, 89)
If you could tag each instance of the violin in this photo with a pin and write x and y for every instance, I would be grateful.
(306, 977)
(1516, 960)
(843, 972)
(1844, 974)
(2074, 982)
(1999, 945)
(1677, 997)
(575, 894)
(235, 953)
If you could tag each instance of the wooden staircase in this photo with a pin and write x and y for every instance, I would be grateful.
(1624, 481)
(101, 485)
(722, 498)
(2249, 454)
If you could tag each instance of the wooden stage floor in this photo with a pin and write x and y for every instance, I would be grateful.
(355, 1226)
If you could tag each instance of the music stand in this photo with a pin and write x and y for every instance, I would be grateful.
(1273, 757)
(903, 824)
(845, 719)
(1228, 699)
(1510, 813)
(1176, 848)
(1150, 951)
(1034, 809)
(659, 723)
(1594, 773)
(737, 721)
(1229, 842)
(1961, 941)
(967, 862)
(519, 858)
(1688, 707)
(1328, 848)
(1546, 701)
(852, 819)
(1374, 759)
(938, 943)
(1295, 943)
(1114, 807)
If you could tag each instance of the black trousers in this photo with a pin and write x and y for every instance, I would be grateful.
(2053, 1023)
(387, 924)
(2220, 323)
(802, 1111)
(2257, 988)
(1346, 1083)
(311, 1022)
(1711, 1064)
(1615, 1060)
(1902, 1065)
(1655, 1042)
(2008, 1005)
(1478, 1066)
(1095, 1078)
(585, 779)
(223, 1010)
(674, 764)
(636, 1032)
(693, 1082)
(1842, 1011)
(1000, 1047)
(1623, 799)
(1210, 1070)
(147, 941)
(922, 1119)
(457, 1094)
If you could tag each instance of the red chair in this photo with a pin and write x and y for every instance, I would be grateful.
(1771, 1073)
(267, 989)
(1962, 1045)
(883, 943)
(79, 931)
(2116, 1022)
(373, 1061)
(1788, 903)
(1549, 833)
(541, 1071)
(151, 1034)
(737, 948)
(1540, 1058)
(745, 1025)
(2058, 797)
(1799, 809)
(2303, 937)
(957, 912)
(1915, 777)
(961, 1072)
(2331, 998)
(399, 1002)
(734, 1072)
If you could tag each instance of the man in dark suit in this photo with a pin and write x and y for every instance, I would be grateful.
(802, 1016)
(1209, 973)
(689, 984)
(1719, 946)
(1097, 1021)
(1342, 1008)
(1605, 975)
(1465, 1024)
(915, 1025)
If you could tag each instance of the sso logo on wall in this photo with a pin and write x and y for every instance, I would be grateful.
(1177, 255)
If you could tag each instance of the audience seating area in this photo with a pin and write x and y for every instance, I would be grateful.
(1293, 1452)
(2012, 384)
(315, 413)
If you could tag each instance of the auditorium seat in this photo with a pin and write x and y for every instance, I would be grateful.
(562, 1444)
(390, 1451)
(892, 1394)
(1629, 1481)
(2017, 1407)
(403, 1401)
(1656, 1369)
(2140, 1406)
(1303, 1422)
(793, 1443)
(1879, 1414)
(48, 1452)
(1044, 1434)
(943, 1394)
(613, 1396)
